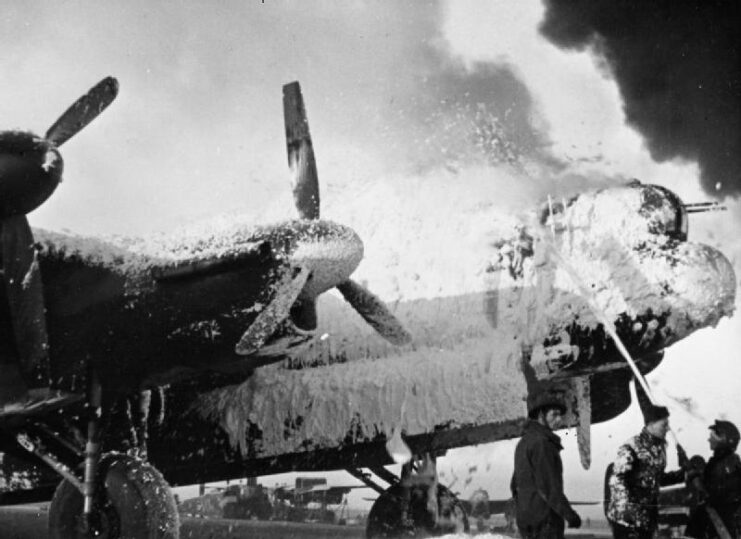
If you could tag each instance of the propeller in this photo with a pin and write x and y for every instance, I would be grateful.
(306, 198)
(295, 294)
(30, 170)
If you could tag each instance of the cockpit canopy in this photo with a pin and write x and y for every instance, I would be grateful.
(667, 211)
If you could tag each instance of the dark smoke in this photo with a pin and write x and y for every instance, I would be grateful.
(678, 69)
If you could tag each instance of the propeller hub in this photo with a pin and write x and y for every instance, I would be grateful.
(30, 170)
(329, 250)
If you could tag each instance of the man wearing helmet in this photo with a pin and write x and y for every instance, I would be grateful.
(537, 483)
(717, 484)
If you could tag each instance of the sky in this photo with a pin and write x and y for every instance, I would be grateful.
(412, 98)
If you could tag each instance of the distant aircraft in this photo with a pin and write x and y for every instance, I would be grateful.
(315, 491)
(481, 508)
(219, 356)
(307, 500)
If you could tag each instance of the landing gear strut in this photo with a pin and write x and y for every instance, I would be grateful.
(92, 456)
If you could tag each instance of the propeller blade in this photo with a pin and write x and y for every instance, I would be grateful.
(291, 342)
(83, 111)
(304, 180)
(375, 312)
(25, 293)
(271, 317)
(583, 410)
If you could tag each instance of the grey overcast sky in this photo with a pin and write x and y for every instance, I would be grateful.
(393, 90)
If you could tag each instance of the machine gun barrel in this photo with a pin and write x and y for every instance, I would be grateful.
(697, 207)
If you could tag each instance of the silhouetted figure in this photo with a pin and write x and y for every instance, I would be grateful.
(537, 484)
(717, 484)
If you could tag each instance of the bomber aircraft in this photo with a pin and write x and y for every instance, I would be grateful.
(204, 357)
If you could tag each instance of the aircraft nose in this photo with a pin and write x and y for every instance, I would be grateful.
(704, 284)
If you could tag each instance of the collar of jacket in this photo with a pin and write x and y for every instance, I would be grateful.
(542, 430)
(723, 451)
(650, 439)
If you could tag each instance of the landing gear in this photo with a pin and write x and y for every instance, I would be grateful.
(386, 520)
(132, 499)
(106, 496)
(415, 505)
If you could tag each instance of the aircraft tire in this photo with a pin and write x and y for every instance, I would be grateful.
(136, 501)
(384, 518)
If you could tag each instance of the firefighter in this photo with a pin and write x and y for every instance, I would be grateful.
(717, 484)
(636, 475)
(537, 484)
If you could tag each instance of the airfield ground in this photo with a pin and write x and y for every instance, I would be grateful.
(29, 522)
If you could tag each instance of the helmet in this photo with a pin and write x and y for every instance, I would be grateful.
(727, 430)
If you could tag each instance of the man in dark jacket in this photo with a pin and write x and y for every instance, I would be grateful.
(537, 484)
(717, 483)
(637, 475)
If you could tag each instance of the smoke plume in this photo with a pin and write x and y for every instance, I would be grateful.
(677, 66)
